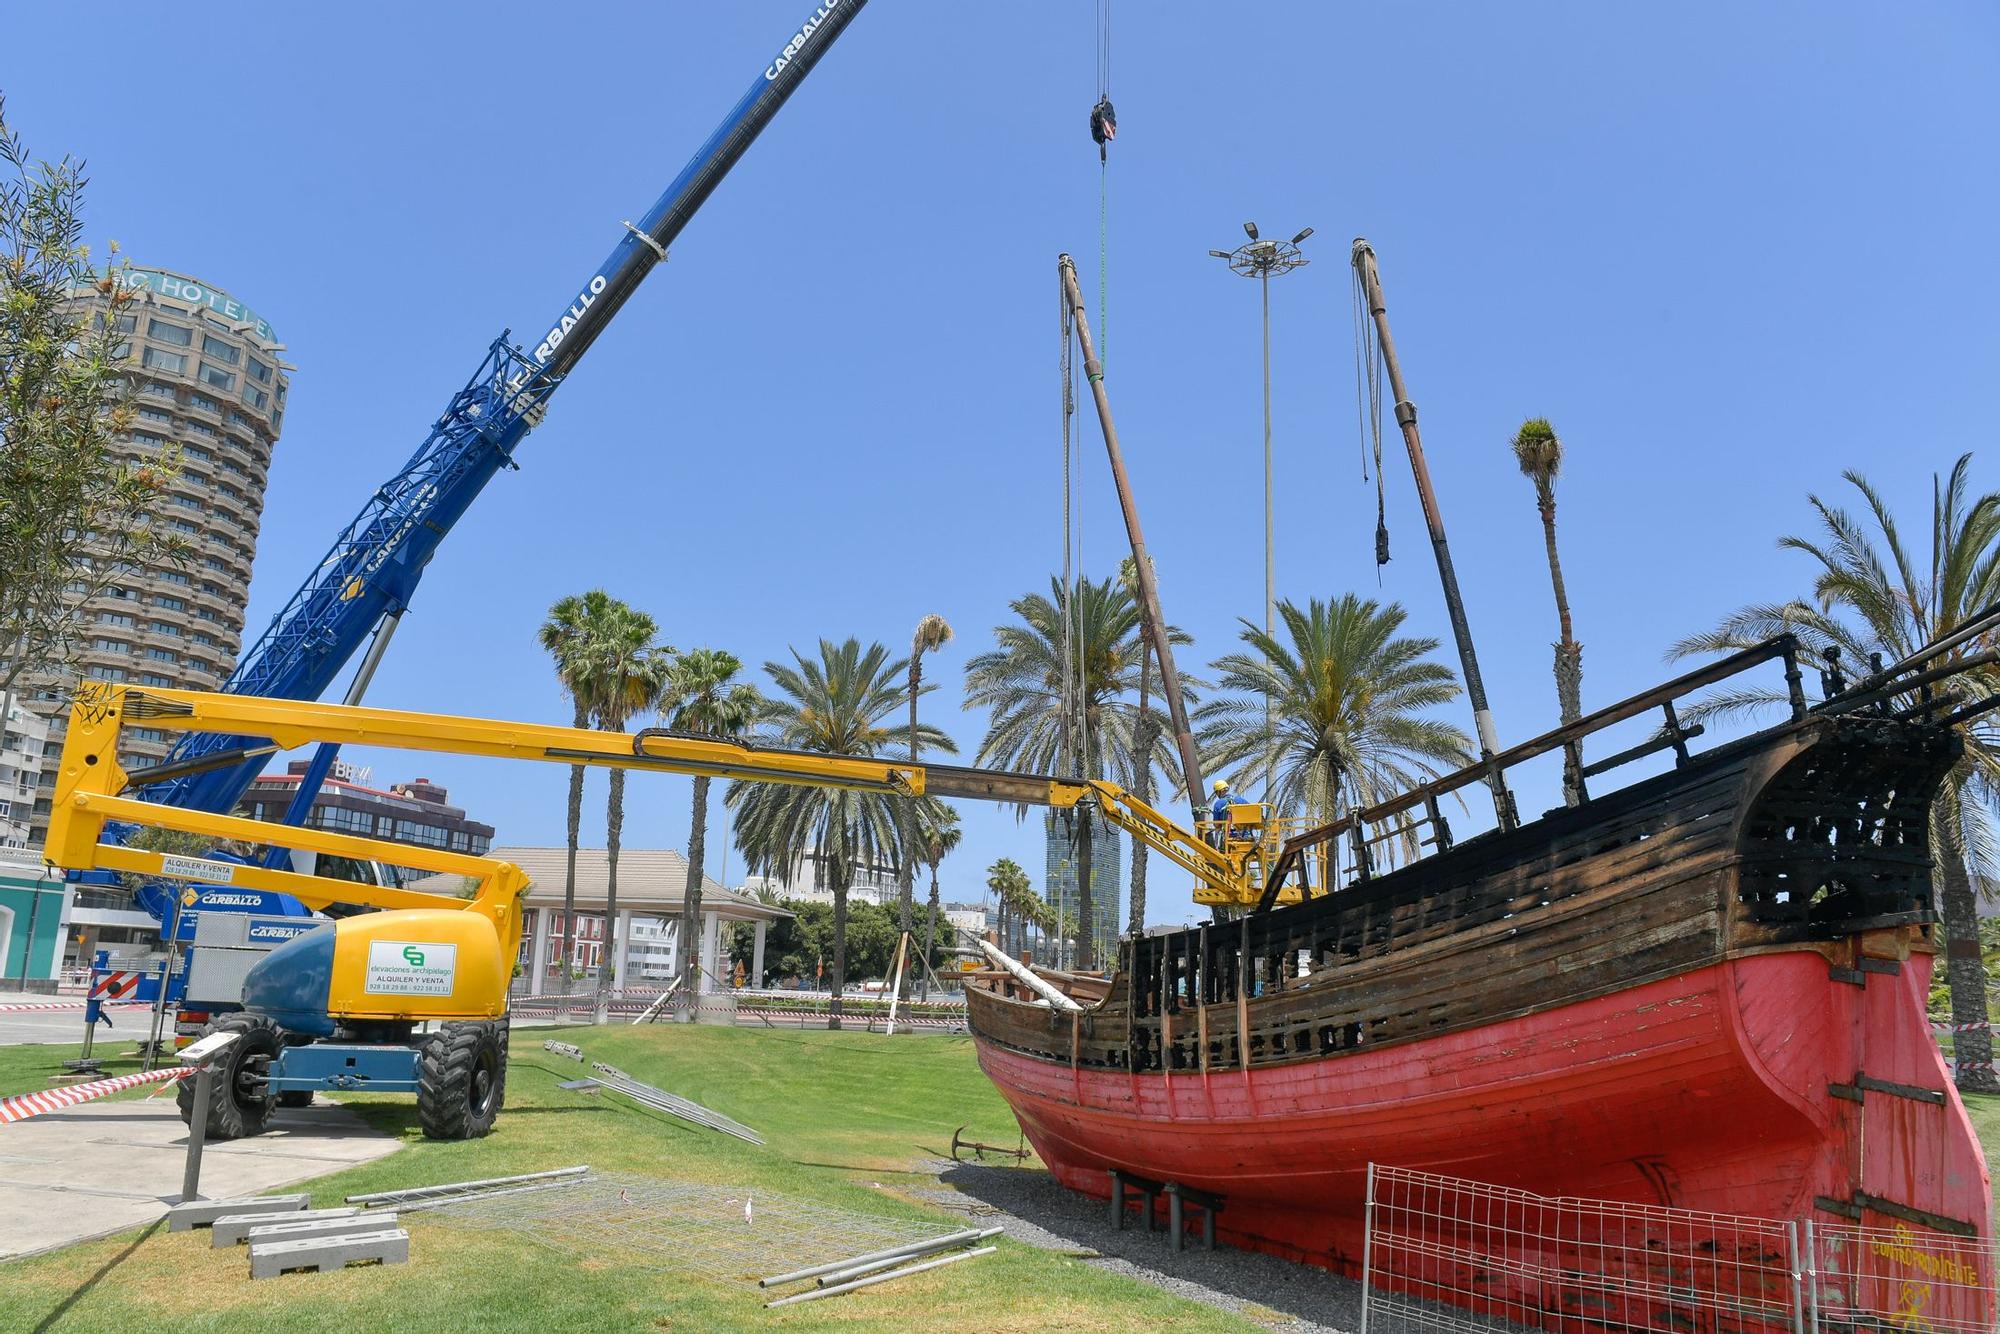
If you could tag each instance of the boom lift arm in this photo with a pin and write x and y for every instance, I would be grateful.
(92, 789)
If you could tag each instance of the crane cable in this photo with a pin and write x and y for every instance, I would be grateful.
(1103, 129)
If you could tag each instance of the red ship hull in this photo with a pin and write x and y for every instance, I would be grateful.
(1707, 1090)
(1705, 991)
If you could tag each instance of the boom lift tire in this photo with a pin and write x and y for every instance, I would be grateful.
(462, 1080)
(295, 1098)
(237, 1106)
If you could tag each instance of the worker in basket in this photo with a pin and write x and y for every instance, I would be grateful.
(1218, 814)
(1231, 817)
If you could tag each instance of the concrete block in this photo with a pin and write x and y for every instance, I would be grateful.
(320, 1227)
(234, 1229)
(200, 1213)
(715, 1009)
(268, 1259)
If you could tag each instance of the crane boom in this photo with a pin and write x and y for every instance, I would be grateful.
(372, 569)
(92, 787)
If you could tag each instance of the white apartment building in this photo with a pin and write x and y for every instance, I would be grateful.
(24, 746)
(654, 950)
(870, 883)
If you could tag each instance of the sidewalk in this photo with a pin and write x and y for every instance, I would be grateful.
(94, 1170)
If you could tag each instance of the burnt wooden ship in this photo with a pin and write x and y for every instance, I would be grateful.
(1705, 989)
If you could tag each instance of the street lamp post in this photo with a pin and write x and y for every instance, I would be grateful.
(1260, 259)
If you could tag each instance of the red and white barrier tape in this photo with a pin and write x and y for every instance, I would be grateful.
(24, 1105)
(58, 1007)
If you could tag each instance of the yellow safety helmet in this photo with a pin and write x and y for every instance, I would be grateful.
(1221, 785)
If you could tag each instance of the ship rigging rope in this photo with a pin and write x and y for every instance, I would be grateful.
(1368, 414)
(1074, 656)
(1066, 365)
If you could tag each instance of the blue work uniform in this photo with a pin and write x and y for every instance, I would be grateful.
(1218, 815)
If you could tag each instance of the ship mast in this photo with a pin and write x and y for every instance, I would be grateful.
(1406, 417)
(1149, 588)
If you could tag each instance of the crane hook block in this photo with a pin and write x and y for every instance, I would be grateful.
(1103, 122)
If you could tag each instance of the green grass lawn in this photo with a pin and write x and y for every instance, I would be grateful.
(31, 1069)
(845, 1117)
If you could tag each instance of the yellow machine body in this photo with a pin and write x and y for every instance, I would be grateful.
(421, 963)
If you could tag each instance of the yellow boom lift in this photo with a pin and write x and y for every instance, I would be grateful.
(338, 1007)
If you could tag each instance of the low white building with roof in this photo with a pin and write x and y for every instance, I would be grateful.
(646, 947)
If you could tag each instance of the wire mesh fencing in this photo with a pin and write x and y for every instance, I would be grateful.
(1453, 1255)
(1897, 1278)
(722, 1233)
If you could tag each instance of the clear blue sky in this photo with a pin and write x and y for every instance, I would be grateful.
(1729, 249)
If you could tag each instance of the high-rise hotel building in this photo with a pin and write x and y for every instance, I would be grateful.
(206, 375)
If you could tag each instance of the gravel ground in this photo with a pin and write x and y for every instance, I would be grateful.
(1035, 1210)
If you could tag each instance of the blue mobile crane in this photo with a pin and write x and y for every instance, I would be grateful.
(358, 593)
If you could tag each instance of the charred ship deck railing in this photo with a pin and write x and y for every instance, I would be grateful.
(1830, 842)
(1406, 817)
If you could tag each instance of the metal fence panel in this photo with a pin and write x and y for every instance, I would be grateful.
(1898, 1278)
(1452, 1255)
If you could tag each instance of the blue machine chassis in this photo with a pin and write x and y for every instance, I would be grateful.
(367, 1067)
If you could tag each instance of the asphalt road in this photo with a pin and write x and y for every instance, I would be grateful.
(66, 1025)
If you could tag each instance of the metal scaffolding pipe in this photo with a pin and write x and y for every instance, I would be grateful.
(447, 1201)
(816, 1293)
(908, 1248)
(450, 1187)
(673, 1105)
(840, 1276)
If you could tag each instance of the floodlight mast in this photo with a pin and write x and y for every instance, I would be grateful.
(1261, 260)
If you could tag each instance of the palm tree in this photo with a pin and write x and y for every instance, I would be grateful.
(702, 696)
(1345, 730)
(1863, 604)
(838, 704)
(1039, 913)
(1021, 683)
(1539, 452)
(942, 840)
(630, 668)
(1009, 883)
(932, 634)
(572, 635)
